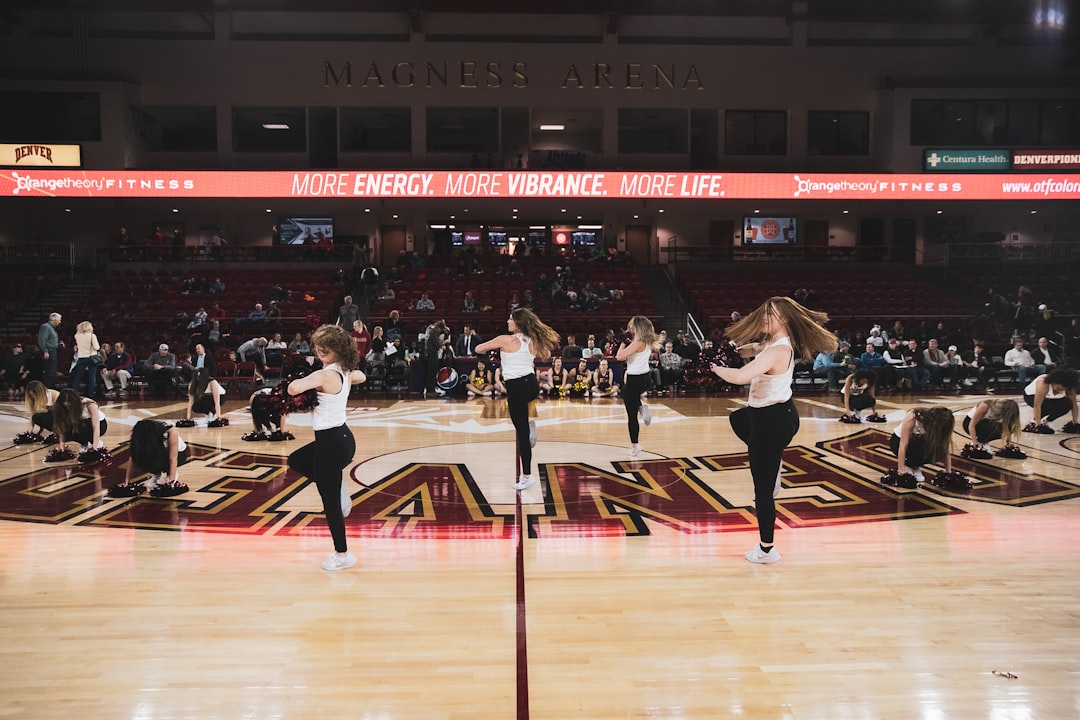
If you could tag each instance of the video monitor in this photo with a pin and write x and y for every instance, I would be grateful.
(583, 238)
(497, 238)
(758, 230)
(306, 230)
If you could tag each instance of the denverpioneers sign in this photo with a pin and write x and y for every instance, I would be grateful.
(523, 184)
(37, 155)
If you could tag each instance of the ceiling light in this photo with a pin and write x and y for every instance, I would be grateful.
(275, 126)
(590, 227)
(554, 127)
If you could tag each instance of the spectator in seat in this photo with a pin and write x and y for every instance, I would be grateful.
(873, 360)
(834, 366)
(425, 303)
(936, 363)
(671, 367)
(978, 366)
(1046, 357)
(118, 368)
(1019, 360)
(913, 362)
(161, 370)
(571, 351)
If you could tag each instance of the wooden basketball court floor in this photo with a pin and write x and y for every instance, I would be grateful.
(612, 589)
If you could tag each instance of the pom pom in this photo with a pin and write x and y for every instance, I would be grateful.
(50, 440)
(875, 418)
(169, 489)
(1071, 427)
(59, 455)
(254, 436)
(906, 481)
(1011, 452)
(1040, 428)
(218, 422)
(280, 402)
(952, 481)
(850, 419)
(185, 423)
(96, 455)
(975, 452)
(698, 374)
(280, 436)
(27, 438)
(126, 490)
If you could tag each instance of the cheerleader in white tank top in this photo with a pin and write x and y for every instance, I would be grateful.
(323, 460)
(770, 421)
(527, 338)
(636, 353)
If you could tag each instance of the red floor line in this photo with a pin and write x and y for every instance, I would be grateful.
(522, 645)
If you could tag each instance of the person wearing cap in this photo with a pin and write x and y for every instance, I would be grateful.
(834, 366)
(160, 370)
(13, 374)
(956, 366)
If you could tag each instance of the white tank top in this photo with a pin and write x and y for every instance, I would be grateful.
(517, 364)
(1051, 394)
(638, 363)
(768, 390)
(991, 412)
(330, 412)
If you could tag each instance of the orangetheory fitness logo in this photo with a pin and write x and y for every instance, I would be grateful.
(404, 495)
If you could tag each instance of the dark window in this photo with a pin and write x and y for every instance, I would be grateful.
(376, 129)
(1060, 123)
(269, 129)
(755, 132)
(644, 130)
(178, 129)
(838, 133)
(56, 117)
(473, 130)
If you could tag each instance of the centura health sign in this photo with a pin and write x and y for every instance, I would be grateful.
(362, 184)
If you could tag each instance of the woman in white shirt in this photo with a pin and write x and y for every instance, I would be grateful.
(87, 352)
(527, 338)
(775, 334)
(323, 460)
(635, 353)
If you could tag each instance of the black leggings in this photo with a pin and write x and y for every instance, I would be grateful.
(766, 432)
(519, 393)
(322, 462)
(43, 420)
(84, 434)
(916, 450)
(1052, 408)
(985, 430)
(636, 386)
(861, 402)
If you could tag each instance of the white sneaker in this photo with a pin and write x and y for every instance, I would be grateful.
(346, 499)
(763, 558)
(339, 562)
(635, 450)
(153, 481)
(917, 472)
(525, 481)
(646, 415)
(532, 433)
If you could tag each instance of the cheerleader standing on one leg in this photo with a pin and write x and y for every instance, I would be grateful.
(988, 421)
(923, 437)
(323, 460)
(527, 338)
(782, 329)
(636, 354)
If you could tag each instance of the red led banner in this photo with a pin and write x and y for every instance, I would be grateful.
(525, 184)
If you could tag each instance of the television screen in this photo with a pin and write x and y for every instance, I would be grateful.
(496, 238)
(306, 231)
(457, 238)
(536, 238)
(472, 237)
(759, 230)
(583, 237)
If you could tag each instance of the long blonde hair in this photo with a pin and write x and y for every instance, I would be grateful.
(1008, 412)
(543, 337)
(84, 327)
(806, 328)
(938, 423)
(37, 397)
(643, 330)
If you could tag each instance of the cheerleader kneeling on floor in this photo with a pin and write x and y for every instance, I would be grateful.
(77, 419)
(156, 448)
(267, 418)
(860, 394)
(992, 420)
(39, 402)
(205, 398)
(922, 437)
